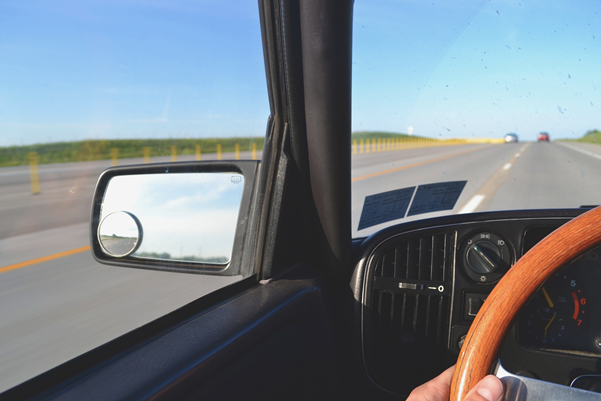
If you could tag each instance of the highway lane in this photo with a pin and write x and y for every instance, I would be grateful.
(65, 193)
(552, 175)
(54, 311)
(525, 175)
(472, 163)
(57, 309)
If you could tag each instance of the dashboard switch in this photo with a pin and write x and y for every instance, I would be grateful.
(473, 303)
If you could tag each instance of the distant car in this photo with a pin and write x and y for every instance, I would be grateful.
(543, 136)
(511, 138)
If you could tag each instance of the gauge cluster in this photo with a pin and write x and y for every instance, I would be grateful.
(564, 314)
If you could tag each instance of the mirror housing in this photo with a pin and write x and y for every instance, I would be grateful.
(150, 216)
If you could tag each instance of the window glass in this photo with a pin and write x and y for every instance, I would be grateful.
(87, 85)
(499, 97)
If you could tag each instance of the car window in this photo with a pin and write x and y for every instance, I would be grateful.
(85, 86)
(438, 86)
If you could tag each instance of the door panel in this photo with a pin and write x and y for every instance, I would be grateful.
(273, 341)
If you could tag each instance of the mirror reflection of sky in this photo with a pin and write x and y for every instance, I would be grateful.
(73, 70)
(192, 214)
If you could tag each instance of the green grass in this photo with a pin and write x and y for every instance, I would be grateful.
(64, 152)
(592, 136)
(379, 134)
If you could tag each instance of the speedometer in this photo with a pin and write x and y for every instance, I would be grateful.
(556, 315)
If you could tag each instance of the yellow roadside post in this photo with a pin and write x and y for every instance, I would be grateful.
(254, 150)
(361, 144)
(219, 157)
(173, 153)
(379, 145)
(146, 151)
(354, 146)
(33, 171)
(114, 156)
(237, 148)
(198, 153)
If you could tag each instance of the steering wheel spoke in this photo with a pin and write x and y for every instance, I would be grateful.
(521, 388)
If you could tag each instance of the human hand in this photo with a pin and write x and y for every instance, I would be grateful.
(438, 389)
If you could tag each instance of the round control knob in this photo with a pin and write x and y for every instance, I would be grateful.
(483, 257)
(486, 257)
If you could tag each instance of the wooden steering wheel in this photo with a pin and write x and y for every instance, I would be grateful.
(488, 330)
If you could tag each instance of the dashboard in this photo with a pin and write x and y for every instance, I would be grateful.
(419, 285)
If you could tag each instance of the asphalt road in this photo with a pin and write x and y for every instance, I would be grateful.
(510, 176)
(56, 302)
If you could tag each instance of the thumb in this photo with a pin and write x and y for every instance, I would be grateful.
(488, 389)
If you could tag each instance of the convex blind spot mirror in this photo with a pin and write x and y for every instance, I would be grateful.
(179, 216)
(119, 234)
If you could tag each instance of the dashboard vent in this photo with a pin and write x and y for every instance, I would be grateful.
(409, 309)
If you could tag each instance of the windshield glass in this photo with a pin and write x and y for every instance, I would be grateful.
(498, 99)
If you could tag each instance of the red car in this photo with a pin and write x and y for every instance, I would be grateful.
(543, 136)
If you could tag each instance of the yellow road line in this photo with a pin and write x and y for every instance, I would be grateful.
(43, 259)
(393, 170)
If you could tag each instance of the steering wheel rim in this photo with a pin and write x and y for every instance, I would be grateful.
(494, 319)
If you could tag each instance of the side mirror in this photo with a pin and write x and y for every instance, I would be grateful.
(194, 217)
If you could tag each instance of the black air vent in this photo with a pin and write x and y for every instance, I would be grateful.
(409, 309)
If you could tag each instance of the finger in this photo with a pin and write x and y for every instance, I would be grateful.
(437, 389)
(488, 389)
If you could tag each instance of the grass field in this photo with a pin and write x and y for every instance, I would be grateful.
(592, 136)
(64, 152)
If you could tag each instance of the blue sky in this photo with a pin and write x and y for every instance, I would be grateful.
(478, 68)
(72, 70)
(75, 70)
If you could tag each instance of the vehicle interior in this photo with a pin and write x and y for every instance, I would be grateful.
(326, 311)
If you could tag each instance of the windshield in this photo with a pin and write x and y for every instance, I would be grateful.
(502, 96)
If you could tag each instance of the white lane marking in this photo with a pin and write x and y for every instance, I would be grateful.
(577, 149)
(507, 166)
(472, 204)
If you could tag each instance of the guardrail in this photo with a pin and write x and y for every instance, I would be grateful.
(146, 154)
(388, 144)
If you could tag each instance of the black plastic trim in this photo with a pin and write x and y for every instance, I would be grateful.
(367, 252)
